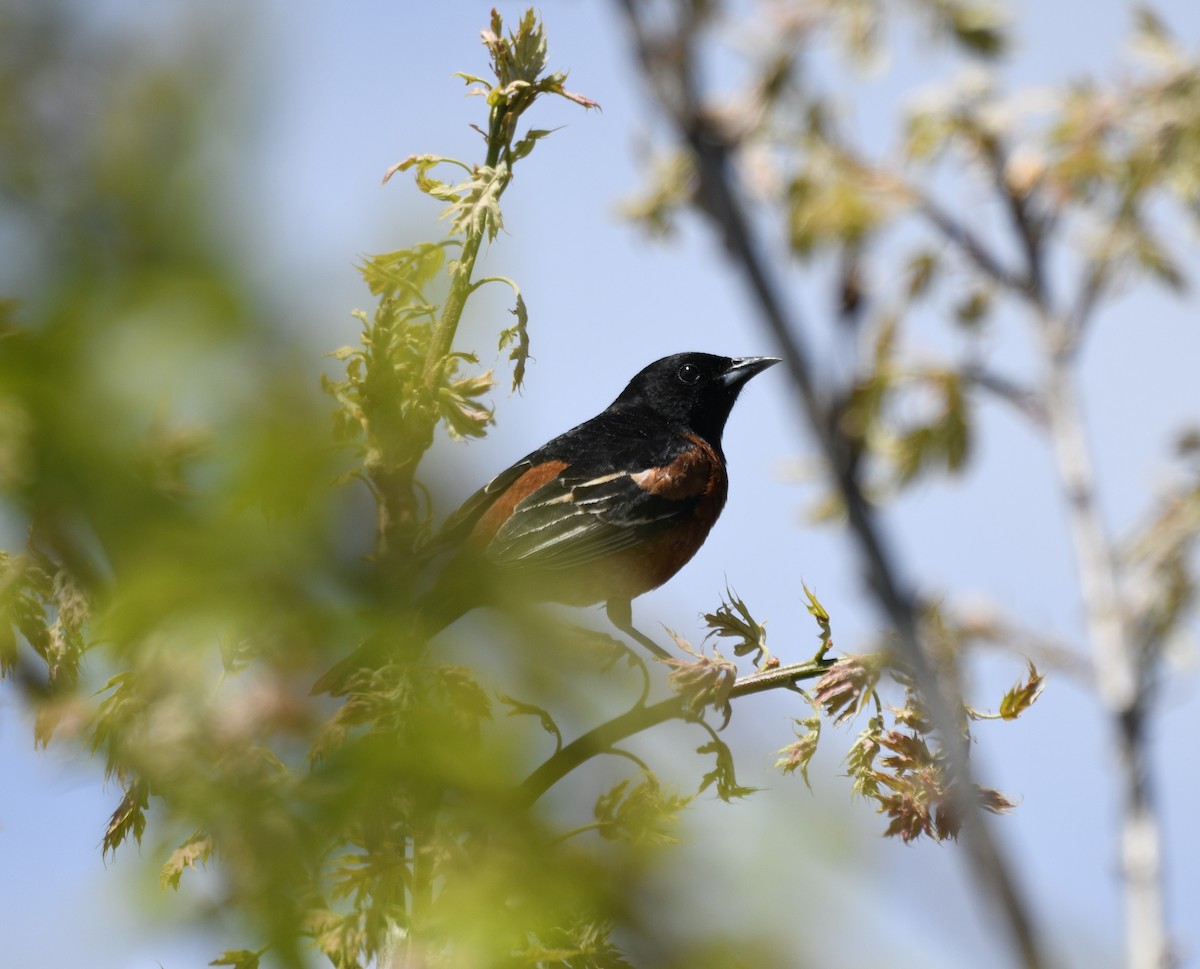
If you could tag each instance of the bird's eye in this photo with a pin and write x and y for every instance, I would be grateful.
(689, 373)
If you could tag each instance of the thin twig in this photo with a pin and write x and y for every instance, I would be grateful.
(1027, 401)
(1026, 225)
(1093, 286)
(604, 738)
(969, 244)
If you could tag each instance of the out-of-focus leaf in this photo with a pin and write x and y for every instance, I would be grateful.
(193, 853)
(978, 26)
(641, 813)
(672, 184)
(519, 709)
(458, 406)
(129, 818)
(973, 309)
(922, 272)
(239, 958)
(826, 207)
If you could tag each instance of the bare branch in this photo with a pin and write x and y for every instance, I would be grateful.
(1118, 673)
(1027, 401)
(1027, 226)
(1091, 289)
(969, 244)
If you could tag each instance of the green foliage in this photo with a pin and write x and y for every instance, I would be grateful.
(1017, 700)
(639, 814)
(796, 756)
(406, 376)
(732, 620)
(193, 853)
(827, 209)
(238, 958)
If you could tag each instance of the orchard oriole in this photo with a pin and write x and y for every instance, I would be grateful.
(603, 513)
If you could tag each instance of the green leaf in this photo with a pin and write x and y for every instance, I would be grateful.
(641, 814)
(404, 274)
(475, 207)
(518, 335)
(922, 270)
(472, 79)
(522, 55)
(129, 818)
(554, 85)
(973, 309)
(817, 611)
(423, 165)
(238, 958)
(927, 134)
(8, 648)
(457, 406)
(827, 207)
(722, 775)
(532, 137)
(944, 439)
(193, 853)
(672, 187)
(732, 620)
(860, 761)
(979, 27)
(796, 756)
(1022, 696)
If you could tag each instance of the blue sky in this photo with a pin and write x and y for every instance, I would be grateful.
(336, 94)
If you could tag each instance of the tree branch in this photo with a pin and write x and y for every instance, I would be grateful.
(1119, 675)
(719, 201)
(969, 244)
(1023, 399)
(1025, 224)
(604, 738)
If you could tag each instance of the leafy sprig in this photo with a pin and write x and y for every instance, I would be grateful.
(406, 378)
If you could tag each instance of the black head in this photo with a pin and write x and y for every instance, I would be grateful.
(694, 390)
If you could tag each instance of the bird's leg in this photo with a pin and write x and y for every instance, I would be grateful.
(620, 614)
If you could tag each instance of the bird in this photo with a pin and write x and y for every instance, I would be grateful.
(604, 512)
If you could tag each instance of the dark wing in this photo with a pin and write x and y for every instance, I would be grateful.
(460, 524)
(605, 486)
(572, 520)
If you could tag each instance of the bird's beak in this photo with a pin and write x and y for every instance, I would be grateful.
(743, 368)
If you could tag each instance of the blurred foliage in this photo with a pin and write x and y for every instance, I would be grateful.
(182, 571)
